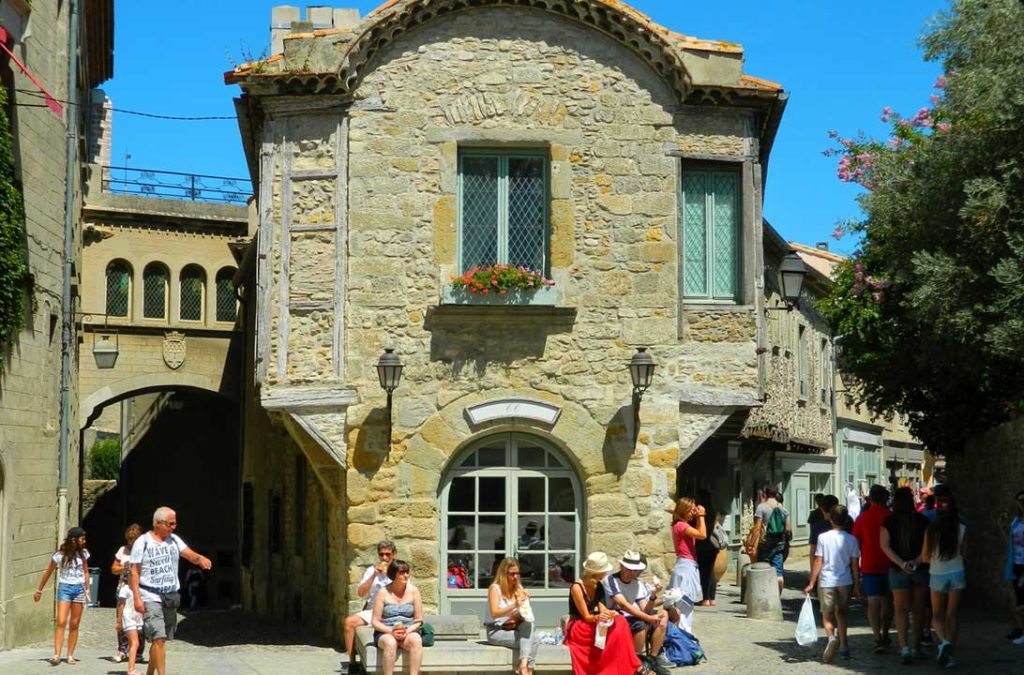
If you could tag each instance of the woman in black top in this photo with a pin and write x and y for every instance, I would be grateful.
(707, 550)
(587, 615)
(902, 536)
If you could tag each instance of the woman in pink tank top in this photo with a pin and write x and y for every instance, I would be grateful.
(687, 527)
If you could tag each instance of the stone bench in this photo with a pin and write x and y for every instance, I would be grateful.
(459, 649)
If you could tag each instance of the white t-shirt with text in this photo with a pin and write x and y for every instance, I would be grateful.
(74, 573)
(159, 560)
(836, 548)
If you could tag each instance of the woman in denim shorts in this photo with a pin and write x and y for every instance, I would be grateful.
(72, 590)
(902, 536)
(943, 550)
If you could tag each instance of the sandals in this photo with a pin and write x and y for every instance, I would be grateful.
(54, 660)
(72, 661)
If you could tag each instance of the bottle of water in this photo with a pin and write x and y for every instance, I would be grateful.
(559, 637)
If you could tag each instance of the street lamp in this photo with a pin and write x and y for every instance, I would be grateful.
(792, 271)
(104, 351)
(641, 371)
(389, 371)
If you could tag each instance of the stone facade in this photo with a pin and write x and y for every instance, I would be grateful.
(358, 239)
(30, 405)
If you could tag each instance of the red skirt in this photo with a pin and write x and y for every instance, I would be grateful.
(617, 658)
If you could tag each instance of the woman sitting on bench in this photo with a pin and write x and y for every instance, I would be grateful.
(397, 619)
(590, 620)
(511, 622)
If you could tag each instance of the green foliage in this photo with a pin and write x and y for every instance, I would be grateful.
(932, 306)
(500, 279)
(13, 271)
(105, 459)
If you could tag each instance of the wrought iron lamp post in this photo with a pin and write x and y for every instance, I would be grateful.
(792, 272)
(389, 371)
(641, 371)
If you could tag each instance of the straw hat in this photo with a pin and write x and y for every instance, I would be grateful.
(597, 563)
(631, 561)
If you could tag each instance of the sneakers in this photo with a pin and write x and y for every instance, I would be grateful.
(119, 657)
(663, 662)
(945, 652)
(844, 653)
(906, 656)
(830, 650)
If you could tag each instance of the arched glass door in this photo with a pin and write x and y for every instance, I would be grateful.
(510, 495)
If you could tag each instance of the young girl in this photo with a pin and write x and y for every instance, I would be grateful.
(131, 624)
(72, 590)
(508, 627)
(688, 527)
(122, 569)
(943, 550)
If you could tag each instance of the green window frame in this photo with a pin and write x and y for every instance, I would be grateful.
(711, 235)
(504, 209)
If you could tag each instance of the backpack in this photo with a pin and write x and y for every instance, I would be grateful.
(682, 648)
(776, 525)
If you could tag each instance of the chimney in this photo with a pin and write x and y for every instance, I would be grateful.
(821, 246)
(286, 19)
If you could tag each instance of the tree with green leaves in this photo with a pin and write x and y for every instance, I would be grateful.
(931, 306)
(13, 270)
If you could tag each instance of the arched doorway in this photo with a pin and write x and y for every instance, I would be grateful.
(510, 494)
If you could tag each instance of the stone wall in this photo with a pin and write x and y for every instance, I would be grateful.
(984, 481)
(359, 238)
(30, 387)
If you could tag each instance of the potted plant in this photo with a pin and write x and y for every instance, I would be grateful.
(500, 285)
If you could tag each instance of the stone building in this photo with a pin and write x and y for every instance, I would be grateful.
(623, 160)
(39, 493)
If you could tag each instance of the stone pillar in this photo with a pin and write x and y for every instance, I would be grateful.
(281, 18)
(763, 600)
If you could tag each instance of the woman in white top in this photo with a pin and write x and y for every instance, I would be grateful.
(511, 618)
(943, 550)
(122, 570)
(72, 590)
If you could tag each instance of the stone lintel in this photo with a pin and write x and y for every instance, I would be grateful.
(295, 400)
(282, 106)
(672, 150)
(697, 395)
(513, 410)
(463, 315)
(470, 135)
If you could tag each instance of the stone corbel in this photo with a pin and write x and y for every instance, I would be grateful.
(315, 418)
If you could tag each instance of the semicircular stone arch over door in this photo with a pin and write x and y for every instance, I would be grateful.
(510, 494)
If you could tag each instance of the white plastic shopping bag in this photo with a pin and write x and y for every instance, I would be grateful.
(806, 628)
(601, 633)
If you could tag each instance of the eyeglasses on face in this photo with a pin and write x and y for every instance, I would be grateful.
(513, 574)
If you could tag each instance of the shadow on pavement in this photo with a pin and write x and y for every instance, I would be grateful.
(223, 628)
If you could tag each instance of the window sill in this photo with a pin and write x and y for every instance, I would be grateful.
(690, 306)
(546, 296)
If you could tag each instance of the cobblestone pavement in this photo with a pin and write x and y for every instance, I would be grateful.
(235, 642)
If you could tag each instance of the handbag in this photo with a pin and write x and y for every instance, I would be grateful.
(427, 634)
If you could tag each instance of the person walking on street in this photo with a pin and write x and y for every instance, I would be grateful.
(874, 565)
(836, 571)
(374, 578)
(708, 548)
(122, 569)
(154, 582)
(1014, 572)
(771, 531)
(943, 549)
(902, 539)
(72, 591)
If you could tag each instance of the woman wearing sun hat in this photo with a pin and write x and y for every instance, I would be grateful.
(587, 614)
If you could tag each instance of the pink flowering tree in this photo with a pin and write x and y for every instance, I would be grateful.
(931, 306)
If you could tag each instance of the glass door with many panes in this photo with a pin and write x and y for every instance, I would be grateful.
(510, 495)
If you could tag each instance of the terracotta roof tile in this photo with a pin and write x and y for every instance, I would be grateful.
(761, 84)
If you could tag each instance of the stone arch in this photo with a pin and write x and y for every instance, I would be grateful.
(141, 384)
(635, 31)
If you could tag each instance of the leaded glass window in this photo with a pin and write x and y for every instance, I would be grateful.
(225, 295)
(503, 210)
(711, 235)
(119, 280)
(191, 304)
(154, 291)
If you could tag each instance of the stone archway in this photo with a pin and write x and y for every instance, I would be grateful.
(141, 384)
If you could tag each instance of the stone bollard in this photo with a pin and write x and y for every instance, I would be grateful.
(763, 600)
(742, 565)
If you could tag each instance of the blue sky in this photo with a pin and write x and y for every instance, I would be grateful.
(841, 62)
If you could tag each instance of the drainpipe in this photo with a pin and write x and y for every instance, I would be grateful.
(67, 325)
(836, 479)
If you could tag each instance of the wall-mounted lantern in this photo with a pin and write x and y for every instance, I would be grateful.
(792, 272)
(105, 351)
(641, 372)
(389, 371)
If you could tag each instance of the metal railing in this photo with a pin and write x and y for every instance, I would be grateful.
(193, 187)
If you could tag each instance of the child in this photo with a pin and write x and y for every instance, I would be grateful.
(72, 590)
(131, 624)
(836, 569)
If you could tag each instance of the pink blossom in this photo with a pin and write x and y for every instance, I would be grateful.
(934, 98)
(838, 233)
(895, 143)
(832, 133)
(904, 123)
(944, 127)
(887, 110)
(940, 82)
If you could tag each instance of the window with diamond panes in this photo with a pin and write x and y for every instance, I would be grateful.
(225, 295)
(119, 284)
(191, 303)
(154, 291)
(711, 235)
(503, 210)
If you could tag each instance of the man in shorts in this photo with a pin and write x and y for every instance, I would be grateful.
(836, 570)
(630, 597)
(154, 582)
(874, 566)
(374, 578)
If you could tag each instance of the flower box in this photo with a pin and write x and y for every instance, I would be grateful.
(545, 296)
